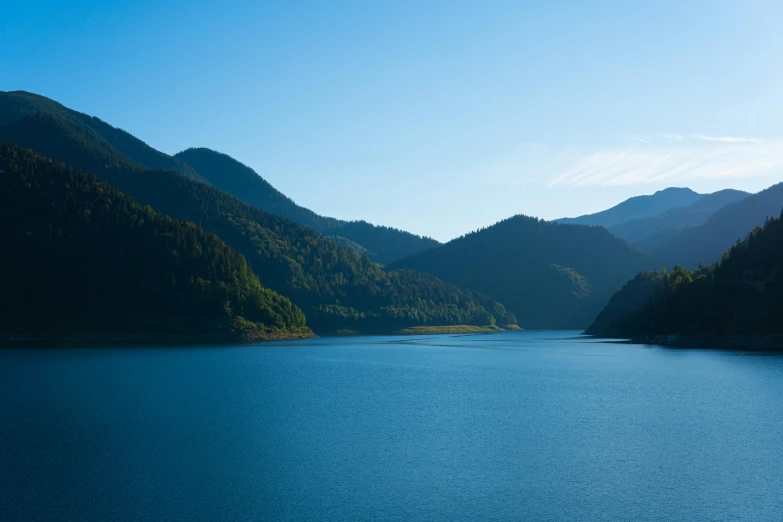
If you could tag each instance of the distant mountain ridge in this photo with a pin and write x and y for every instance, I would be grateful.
(696, 213)
(638, 207)
(382, 244)
(550, 275)
(740, 295)
(707, 242)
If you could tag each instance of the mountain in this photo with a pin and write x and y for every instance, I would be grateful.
(638, 207)
(739, 295)
(696, 213)
(381, 244)
(17, 105)
(83, 258)
(706, 243)
(550, 275)
(337, 288)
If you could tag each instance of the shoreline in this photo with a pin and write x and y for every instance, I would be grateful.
(151, 339)
(747, 342)
(428, 330)
(198, 339)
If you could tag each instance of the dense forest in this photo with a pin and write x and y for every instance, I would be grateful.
(80, 257)
(16, 105)
(741, 294)
(337, 288)
(19, 109)
(549, 275)
(381, 244)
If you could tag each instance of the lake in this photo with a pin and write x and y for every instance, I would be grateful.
(512, 426)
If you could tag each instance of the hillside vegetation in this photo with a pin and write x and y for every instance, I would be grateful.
(16, 105)
(741, 294)
(80, 257)
(336, 287)
(381, 244)
(549, 275)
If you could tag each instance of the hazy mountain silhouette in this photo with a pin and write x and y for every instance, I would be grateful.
(696, 213)
(707, 242)
(638, 207)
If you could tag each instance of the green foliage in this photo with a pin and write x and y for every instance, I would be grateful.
(381, 244)
(549, 275)
(114, 143)
(336, 287)
(81, 257)
(742, 294)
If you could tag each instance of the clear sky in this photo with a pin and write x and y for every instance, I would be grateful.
(438, 117)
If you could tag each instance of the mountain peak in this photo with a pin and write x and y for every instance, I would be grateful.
(675, 190)
(383, 244)
(639, 207)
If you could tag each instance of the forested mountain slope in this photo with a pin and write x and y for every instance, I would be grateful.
(742, 294)
(638, 207)
(707, 242)
(677, 218)
(16, 105)
(382, 244)
(337, 288)
(549, 275)
(80, 257)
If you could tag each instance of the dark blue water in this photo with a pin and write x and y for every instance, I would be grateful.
(531, 426)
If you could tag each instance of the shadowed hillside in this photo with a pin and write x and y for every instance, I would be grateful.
(549, 275)
(87, 259)
(382, 244)
(706, 243)
(739, 295)
(337, 288)
(17, 105)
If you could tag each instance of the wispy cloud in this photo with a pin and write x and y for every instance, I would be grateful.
(675, 161)
(727, 139)
(638, 137)
(670, 136)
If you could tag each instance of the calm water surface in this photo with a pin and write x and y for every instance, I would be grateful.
(531, 425)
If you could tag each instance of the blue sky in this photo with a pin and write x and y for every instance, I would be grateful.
(438, 117)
